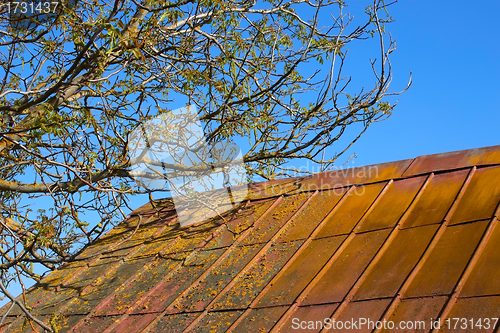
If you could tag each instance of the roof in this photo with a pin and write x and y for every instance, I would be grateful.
(408, 240)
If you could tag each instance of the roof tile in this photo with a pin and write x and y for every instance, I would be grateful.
(259, 320)
(485, 275)
(175, 283)
(437, 197)
(307, 219)
(200, 294)
(73, 287)
(356, 176)
(98, 324)
(48, 286)
(394, 202)
(347, 215)
(481, 197)
(454, 160)
(473, 308)
(339, 277)
(88, 298)
(390, 271)
(133, 323)
(175, 323)
(330, 180)
(119, 301)
(293, 278)
(370, 311)
(444, 266)
(244, 219)
(215, 322)
(305, 318)
(251, 282)
(417, 312)
(270, 224)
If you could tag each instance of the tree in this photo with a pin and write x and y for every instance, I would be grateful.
(77, 80)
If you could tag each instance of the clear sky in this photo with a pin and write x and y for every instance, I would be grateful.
(453, 51)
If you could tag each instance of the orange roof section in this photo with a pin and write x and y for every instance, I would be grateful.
(402, 242)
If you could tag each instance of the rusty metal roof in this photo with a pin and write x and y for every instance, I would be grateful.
(408, 240)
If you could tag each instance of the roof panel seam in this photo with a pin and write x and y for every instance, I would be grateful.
(470, 266)
(300, 298)
(381, 251)
(430, 247)
(221, 258)
(251, 262)
(123, 259)
(138, 301)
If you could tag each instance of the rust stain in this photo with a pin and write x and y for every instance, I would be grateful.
(448, 259)
(342, 273)
(392, 205)
(481, 198)
(436, 199)
(416, 310)
(351, 210)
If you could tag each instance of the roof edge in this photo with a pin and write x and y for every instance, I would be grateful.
(332, 179)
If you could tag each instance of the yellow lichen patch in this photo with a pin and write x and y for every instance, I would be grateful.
(248, 216)
(250, 282)
(270, 224)
(201, 293)
(219, 321)
(290, 206)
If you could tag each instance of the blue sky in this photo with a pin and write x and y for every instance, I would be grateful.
(452, 50)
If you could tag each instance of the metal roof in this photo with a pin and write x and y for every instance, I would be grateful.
(408, 240)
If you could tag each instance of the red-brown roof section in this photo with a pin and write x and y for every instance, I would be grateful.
(402, 241)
